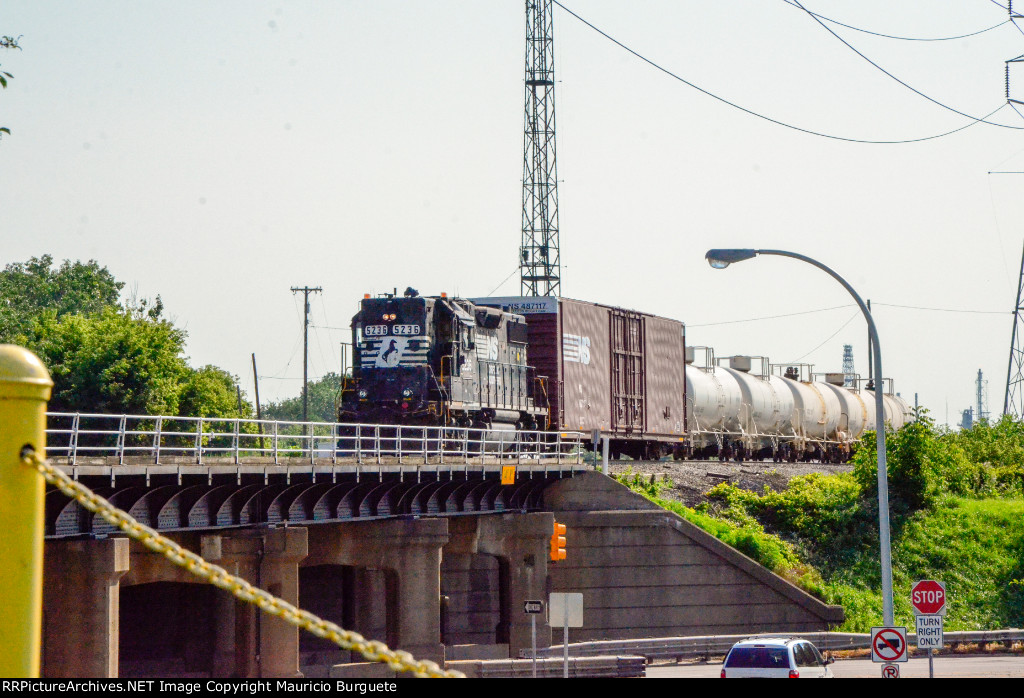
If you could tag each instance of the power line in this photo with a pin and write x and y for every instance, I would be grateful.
(503, 282)
(855, 314)
(762, 116)
(943, 310)
(909, 87)
(899, 38)
(848, 305)
(771, 317)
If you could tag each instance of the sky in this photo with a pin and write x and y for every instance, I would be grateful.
(220, 153)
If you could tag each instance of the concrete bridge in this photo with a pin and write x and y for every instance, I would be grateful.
(430, 539)
(437, 563)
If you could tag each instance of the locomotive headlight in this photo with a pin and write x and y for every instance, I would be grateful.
(362, 394)
(407, 392)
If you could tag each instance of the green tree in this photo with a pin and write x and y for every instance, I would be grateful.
(211, 392)
(30, 289)
(105, 357)
(7, 42)
(115, 361)
(323, 393)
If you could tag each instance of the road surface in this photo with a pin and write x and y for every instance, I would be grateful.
(992, 666)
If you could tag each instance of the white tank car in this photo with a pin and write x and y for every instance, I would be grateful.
(733, 412)
(760, 412)
(713, 408)
(897, 411)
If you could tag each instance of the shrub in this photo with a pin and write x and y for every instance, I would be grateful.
(921, 466)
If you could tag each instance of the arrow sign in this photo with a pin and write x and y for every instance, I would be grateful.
(889, 644)
(928, 597)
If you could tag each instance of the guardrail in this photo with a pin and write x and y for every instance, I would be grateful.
(579, 667)
(719, 645)
(78, 438)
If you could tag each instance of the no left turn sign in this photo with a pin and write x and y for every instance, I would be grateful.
(889, 645)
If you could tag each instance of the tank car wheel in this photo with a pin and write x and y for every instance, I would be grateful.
(654, 450)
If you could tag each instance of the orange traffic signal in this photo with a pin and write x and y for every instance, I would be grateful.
(558, 542)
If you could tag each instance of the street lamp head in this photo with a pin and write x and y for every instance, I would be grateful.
(720, 259)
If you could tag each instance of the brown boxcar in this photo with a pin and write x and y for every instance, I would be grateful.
(602, 368)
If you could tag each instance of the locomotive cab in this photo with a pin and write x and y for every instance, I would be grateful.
(438, 360)
(391, 358)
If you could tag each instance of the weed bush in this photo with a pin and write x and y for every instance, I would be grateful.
(1000, 447)
(921, 466)
(813, 506)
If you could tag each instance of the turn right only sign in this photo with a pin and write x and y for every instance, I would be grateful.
(928, 597)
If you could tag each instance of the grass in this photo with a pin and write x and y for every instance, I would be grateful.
(821, 534)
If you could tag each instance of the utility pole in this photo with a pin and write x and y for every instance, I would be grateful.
(871, 378)
(305, 290)
(259, 411)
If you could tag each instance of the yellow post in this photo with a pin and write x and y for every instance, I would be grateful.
(24, 390)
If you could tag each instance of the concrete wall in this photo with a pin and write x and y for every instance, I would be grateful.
(645, 572)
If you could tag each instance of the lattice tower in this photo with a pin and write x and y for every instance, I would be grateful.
(1013, 400)
(849, 372)
(539, 261)
(982, 397)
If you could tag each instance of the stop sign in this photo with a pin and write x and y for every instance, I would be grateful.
(928, 598)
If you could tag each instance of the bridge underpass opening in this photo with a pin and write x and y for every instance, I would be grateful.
(169, 629)
(360, 599)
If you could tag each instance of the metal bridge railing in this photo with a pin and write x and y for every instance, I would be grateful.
(75, 438)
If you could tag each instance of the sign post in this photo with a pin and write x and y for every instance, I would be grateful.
(532, 608)
(928, 597)
(568, 608)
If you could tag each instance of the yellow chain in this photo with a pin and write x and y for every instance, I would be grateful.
(371, 649)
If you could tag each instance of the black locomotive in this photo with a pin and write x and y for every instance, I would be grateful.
(439, 361)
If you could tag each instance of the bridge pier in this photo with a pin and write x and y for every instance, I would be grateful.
(520, 543)
(409, 553)
(270, 560)
(82, 583)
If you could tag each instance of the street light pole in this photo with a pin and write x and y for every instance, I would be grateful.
(719, 259)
